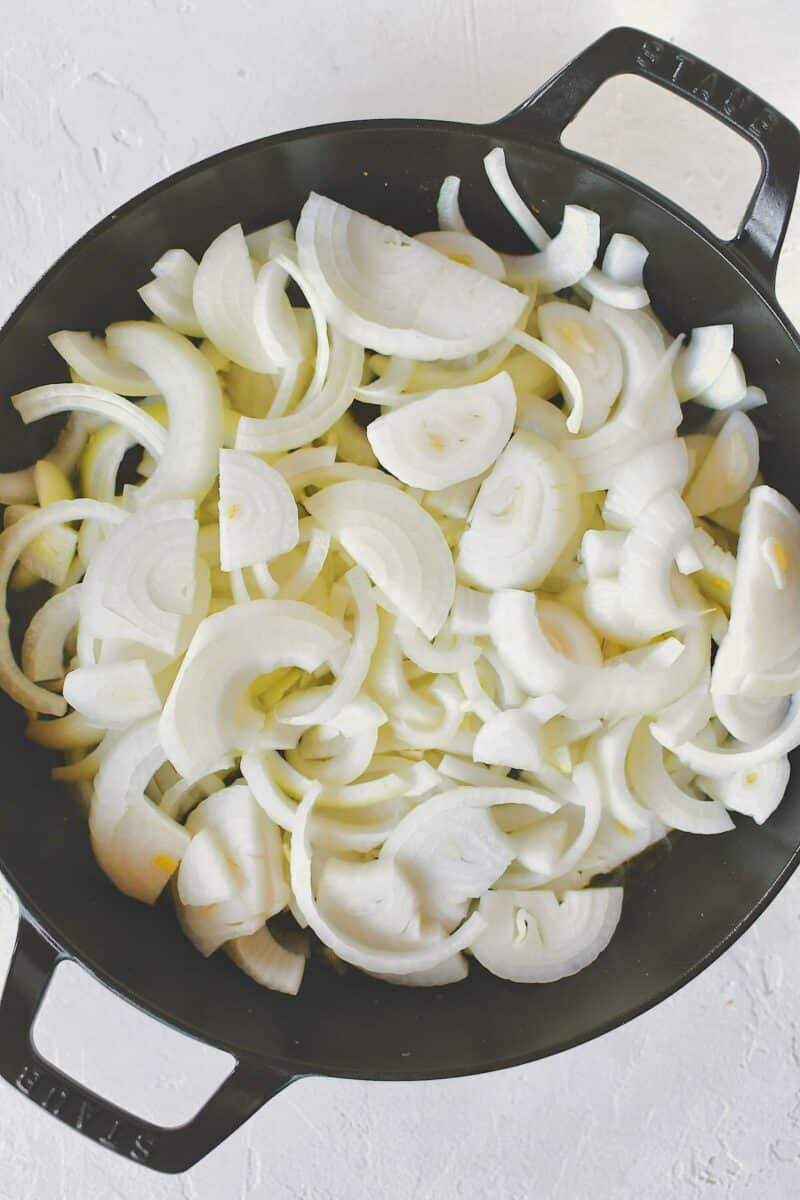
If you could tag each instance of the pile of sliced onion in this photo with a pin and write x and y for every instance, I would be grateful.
(410, 684)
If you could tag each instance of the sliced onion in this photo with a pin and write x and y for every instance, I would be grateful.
(91, 360)
(19, 487)
(50, 555)
(113, 695)
(395, 294)
(141, 580)
(315, 413)
(717, 763)
(659, 468)
(531, 937)
(570, 383)
(729, 388)
(566, 258)
(646, 566)
(169, 295)
(511, 739)
(448, 436)
(657, 791)
(447, 210)
(257, 512)
(624, 260)
(224, 295)
(590, 348)
(396, 542)
(524, 514)
(267, 961)
(274, 319)
(729, 468)
(607, 751)
(208, 712)
(82, 398)
(702, 362)
(189, 385)
(463, 247)
(756, 792)
(43, 647)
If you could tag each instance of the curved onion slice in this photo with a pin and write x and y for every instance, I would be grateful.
(570, 384)
(208, 712)
(94, 363)
(647, 562)
(729, 468)
(397, 543)
(566, 258)
(169, 295)
(607, 751)
(113, 695)
(764, 630)
(82, 398)
(141, 579)
(50, 555)
(13, 542)
(729, 388)
(448, 212)
(716, 763)
(273, 316)
(267, 961)
(418, 958)
(315, 413)
(452, 970)
(532, 937)
(188, 466)
(19, 487)
(661, 467)
(397, 295)
(624, 260)
(523, 517)
(657, 791)
(465, 248)
(631, 684)
(224, 295)
(756, 792)
(257, 512)
(701, 363)
(373, 902)
(749, 720)
(452, 849)
(447, 436)
(43, 647)
(511, 739)
(593, 353)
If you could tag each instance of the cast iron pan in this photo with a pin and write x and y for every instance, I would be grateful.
(681, 912)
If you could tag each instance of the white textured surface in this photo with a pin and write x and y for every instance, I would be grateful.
(699, 1098)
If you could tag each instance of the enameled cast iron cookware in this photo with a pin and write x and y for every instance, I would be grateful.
(696, 897)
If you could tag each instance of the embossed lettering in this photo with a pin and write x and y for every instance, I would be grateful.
(27, 1079)
(107, 1139)
(682, 61)
(143, 1147)
(736, 99)
(704, 90)
(650, 54)
(55, 1100)
(763, 123)
(86, 1113)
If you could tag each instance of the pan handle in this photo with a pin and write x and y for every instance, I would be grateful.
(623, 51)
(163, 1149)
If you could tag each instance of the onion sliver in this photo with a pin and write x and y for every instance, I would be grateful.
(43, 647)
(94, 363)
(756, 792)
(727, 760)
(701, 363)
(397, 543)
(447, 436)
(657, 791)
(224, 295)
(592, 351)
(523, 516)
(257, 512)
(532, 937)
(267, 961)
(566, 258)
(82, 398)
(189, 385)
(397, 295)
(113, 695)
(208, 713)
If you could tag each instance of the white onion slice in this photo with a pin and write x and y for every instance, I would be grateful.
(50, 555)
(656, 790)
(729, 468)
(273, 316)
(646, 566)
(224, 296)
(267, 962)
(727, 760)
(447, 209)
(570, 384)
(188, 466)
(624, 260)
(94, 363)
(532, 937)
(729, 388)
(169, 295)
(257, 512)
(397, 295)
(659, 468)
(397, 543)
(566, 258)
(749, 720)
(465, 248)
(19, 487)
(448, 436)
(607, 751)
(208, 712)
(511, 739)
(82, 398)
(756, 792)
(702, 362)
(113, 695)
(43, 647)
(590, 348)
(522, 518)
(141, 580)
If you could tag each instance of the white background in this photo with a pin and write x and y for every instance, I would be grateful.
(699, 1098)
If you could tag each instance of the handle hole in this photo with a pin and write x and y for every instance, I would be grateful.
(125, 1056)
(676, 148)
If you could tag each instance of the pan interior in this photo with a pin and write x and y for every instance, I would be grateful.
(694, 892)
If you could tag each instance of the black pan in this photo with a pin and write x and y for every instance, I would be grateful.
(680, 913)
